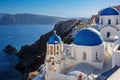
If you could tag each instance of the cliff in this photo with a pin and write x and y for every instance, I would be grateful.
(2, 14)
(31, 57)
(28, 19)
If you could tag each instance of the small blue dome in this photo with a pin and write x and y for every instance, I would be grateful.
(54, 39)
(88, 37)
(109, 11)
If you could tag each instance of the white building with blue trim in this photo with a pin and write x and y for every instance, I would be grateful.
(87, 48)
(109, 23)
(86, 54)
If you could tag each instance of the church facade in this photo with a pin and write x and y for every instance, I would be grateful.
(87, 47)
(109, 27)
(109, 23)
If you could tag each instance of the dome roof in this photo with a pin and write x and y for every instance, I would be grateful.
(54, 39)
(88, 37)
(109, 11)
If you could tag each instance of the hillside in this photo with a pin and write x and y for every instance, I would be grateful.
(2, 14)
(29, 19)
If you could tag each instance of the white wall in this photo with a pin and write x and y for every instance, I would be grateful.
(116, 57)
(113, 19)
(91, 54)
(79, 52)
(117, 42)
(117, 26)
(62, 65)
(97, 65)
(100, 50)
(113, 32)
(110, 46)
(51, 76)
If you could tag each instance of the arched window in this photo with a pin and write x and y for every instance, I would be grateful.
(96, 55)
(51, 50)
(74, 53)
(116, 21)
(57, 50)
(108, 34)
(101, 21)
(109, 21)
(84, 56)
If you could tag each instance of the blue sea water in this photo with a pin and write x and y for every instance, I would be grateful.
(17, 36)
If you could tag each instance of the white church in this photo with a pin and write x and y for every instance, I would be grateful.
(86, 54)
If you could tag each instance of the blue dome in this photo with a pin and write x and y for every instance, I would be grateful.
(88, 37)
(109, 11)
(54, 39)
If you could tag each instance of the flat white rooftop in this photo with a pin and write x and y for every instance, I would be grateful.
(115, 76)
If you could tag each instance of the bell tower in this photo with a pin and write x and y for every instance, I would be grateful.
(54, 56)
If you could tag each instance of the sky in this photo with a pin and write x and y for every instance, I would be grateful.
(60, 8)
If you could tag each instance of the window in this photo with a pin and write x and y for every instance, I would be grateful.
(109, 21)
(51, 50)
(108, 34)
(101, 21)
(74, 53)
(96, 55)
(57, 50)
(116, 21)
(84, 56)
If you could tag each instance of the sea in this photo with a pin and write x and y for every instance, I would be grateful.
(17, 36)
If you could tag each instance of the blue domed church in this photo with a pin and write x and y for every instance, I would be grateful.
(109, 23)
(89, 53)
(86, 53)
(86, 49)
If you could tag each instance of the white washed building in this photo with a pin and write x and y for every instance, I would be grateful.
(109, 23)
(87, 51)
(87, 48)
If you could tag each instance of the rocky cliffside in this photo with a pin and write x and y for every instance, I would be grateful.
(31, 57)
